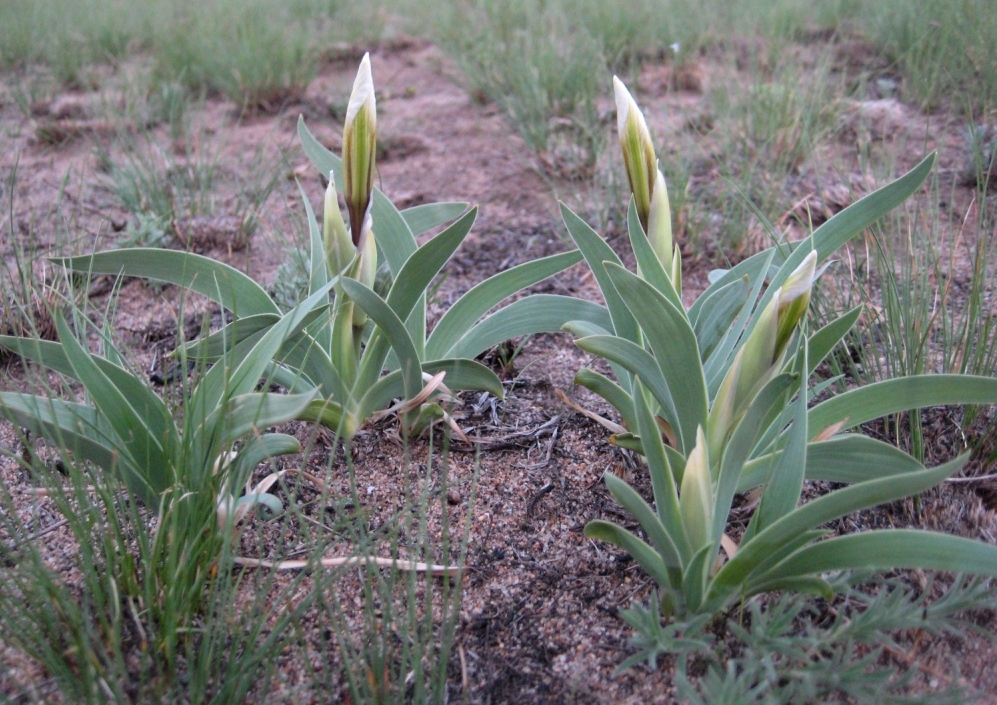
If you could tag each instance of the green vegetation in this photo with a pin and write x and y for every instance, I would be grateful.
(795, 175)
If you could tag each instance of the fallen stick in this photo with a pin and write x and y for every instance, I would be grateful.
(451, 571)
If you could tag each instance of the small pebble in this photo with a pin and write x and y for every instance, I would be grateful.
(453, 497)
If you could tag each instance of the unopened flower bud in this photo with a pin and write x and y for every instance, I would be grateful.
(696, 494)
(761, 357)
(365, 268)
(638, 151)
(339, 249)
(794, 299)
(659, 225)
(359, 146)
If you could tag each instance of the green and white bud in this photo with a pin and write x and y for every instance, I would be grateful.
(359, 147)
(696, 494)
(762, 355)
(367, 268)
(339, 249)
(794, 299)
(638, 150)
(659, 224)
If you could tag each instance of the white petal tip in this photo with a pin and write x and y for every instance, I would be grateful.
(623, 102)
(363, 89)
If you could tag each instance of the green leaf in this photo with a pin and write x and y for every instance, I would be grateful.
(823, 341)
(631, 441)
(396, 242)
(249, 413)
(305, 356)
(539, 313)
(647, 261)
(596, 251)
(134, 388)
(754, 269)
(694, 579)
(142, 448)
(637, 361)
(392, 233)
(847, 459)
(718, 363)
(718, 313)
(887, 549)
(640, 510)
(242, 368)
(584, 329)
(856, 406)
(828, 508)
(78, 428)
(806, 584)
(221, 283)
(259, 450)
(331, 414)
(783, 489)
(611, 392)
(425, 217)
(212, 347)
(470, 307)
(293, 380)
(786, 548)
(646, 557)
(663, 481)
(425, 263)
(856, 458)
(740, 444)
(673, 342)
(394, 331)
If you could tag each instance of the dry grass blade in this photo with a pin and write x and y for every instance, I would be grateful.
(601, 420)
(440, 571)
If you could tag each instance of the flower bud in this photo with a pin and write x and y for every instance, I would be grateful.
(339, 249)
(659, 225)
(761, 356)
(638, 151)
(366, 266)
(794, 299)
(359, 146)
(696, 494)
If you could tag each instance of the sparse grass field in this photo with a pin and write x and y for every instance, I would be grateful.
(174, 125)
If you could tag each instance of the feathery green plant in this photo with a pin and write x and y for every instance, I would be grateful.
(792, 649)
(728, 383)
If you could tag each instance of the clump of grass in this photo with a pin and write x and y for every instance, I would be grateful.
(67, 38)
(945, 51)
(398, 646)
(170, 187)
(543, 69)
(767, 129)
(255, 59)
(26, 300)
(931, 314)
(157, 185)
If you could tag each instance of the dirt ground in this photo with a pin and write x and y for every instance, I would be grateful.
(539, 617)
